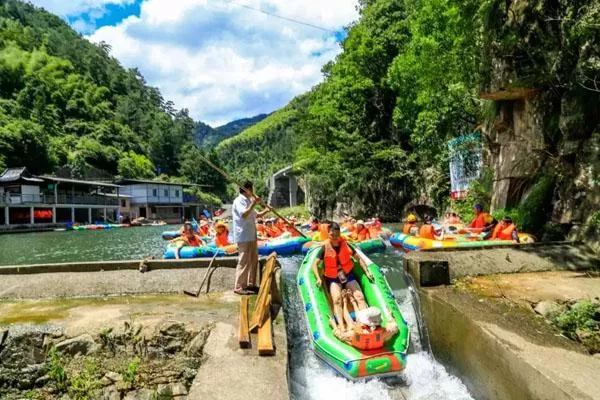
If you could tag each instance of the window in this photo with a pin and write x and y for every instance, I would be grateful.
(154, 192)
(123, 203)
(177, 193)
(166, 192)
(175, 210)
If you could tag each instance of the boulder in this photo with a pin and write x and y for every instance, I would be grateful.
(172, 390)
(196, 346)
(173, 329)
(590, 339)
(142, 394)
(113, 376)
(549, 309)
(83, 344)
(111, 393)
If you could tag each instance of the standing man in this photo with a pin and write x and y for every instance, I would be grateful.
(244, 234)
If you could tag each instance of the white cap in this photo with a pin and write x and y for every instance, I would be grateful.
(369, 316)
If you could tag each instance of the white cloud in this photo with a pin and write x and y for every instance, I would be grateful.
(224, 61)
(66, 8)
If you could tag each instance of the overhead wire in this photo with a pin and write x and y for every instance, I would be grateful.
(296, 21)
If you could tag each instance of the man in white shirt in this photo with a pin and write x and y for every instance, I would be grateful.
(244, 234)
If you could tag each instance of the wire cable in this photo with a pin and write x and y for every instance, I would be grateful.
(281, 16)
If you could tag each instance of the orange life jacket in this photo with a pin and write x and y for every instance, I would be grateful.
(478, 221)
(293, 232)
(272, 232)
(343, 258)
(407, 226)
(361, 235)
(221, 239)
(280, 225)
(260, 228)
(504, 234)
(324, 231)
(427, 232)
(193, 241)
(204, 230)
(367, 339)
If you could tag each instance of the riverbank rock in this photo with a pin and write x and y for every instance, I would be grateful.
(83, 344)
(549, 309)
(590, 339)
(196, 346)
(142, 394)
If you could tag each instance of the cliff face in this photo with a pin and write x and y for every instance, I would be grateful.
(545, 87)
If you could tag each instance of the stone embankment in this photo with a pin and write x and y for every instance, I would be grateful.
(85, 335)
(483, 310)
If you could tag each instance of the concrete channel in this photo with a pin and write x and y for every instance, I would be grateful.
(496, 342)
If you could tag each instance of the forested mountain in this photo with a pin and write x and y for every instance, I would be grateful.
(65, 102)
(208, 137)
(412, 75)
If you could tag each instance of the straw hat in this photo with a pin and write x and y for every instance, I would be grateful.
(369, 316)
(220, 223)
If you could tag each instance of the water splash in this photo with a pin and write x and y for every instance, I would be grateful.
(311, 379)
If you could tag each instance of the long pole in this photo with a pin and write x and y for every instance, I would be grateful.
(232, 180)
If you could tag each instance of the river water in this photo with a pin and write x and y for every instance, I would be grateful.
(111, 244)
(310, 378)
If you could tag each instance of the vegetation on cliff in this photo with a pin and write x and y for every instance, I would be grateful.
(372, 137)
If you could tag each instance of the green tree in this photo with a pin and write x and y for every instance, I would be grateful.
(133, 165)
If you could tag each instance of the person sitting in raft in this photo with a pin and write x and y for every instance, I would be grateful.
(427, 230)
(367, 333)
(360, 233)
(347, 224)
(204, 228)
(451, 218)
(490, 225)
(280, 224)
(506, 230)
(338, 263)
(290, 231)
(410, 227)
(479, 220)
(271, 230)
(222, 235)
(188, 238)
(261, 232)
(314, 224)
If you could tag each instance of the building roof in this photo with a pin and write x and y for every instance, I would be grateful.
(283, 172)
(16, 174)
(79, 182)
(155, 182)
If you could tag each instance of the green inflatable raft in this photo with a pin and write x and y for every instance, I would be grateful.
(347, 360)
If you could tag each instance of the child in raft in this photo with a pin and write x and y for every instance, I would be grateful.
(366, 333)
(188, 238)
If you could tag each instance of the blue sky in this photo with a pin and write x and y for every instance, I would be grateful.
(221, 59)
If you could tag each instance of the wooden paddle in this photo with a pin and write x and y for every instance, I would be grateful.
(229, 178)
(197, 293)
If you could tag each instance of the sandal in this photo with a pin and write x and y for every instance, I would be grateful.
(243, 292)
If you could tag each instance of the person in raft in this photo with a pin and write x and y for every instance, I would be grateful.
(479, 220)
(506, 230)
(410, 227)
(490, 225)
(366, 333)
(428, 231)
(360, 233)
(188, 238)
(338, 262)
(244, 234)
(314, 224)
(221, 238)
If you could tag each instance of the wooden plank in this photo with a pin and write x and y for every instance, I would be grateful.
(265, 335)
(264, 291)
(244, 334)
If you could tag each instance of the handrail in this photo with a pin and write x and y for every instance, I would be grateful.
(20, 198)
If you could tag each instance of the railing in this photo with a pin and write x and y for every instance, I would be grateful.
(18, 198)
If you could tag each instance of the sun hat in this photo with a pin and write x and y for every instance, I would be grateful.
(360, 222)
(221, 223)
(370, 316)
(411, 218)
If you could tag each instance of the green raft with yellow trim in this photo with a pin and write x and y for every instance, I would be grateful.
(349, 361)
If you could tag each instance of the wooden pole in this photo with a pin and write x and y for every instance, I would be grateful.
(244, 333)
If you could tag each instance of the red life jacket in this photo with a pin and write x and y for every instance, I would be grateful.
(504, 234)
(478, 221)
(204, 230)
(366, 339)
(221, 239)
(427, 232)
(361, 235)
(332, 260)
(193, 241)
(272, 232)
(406, 228)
